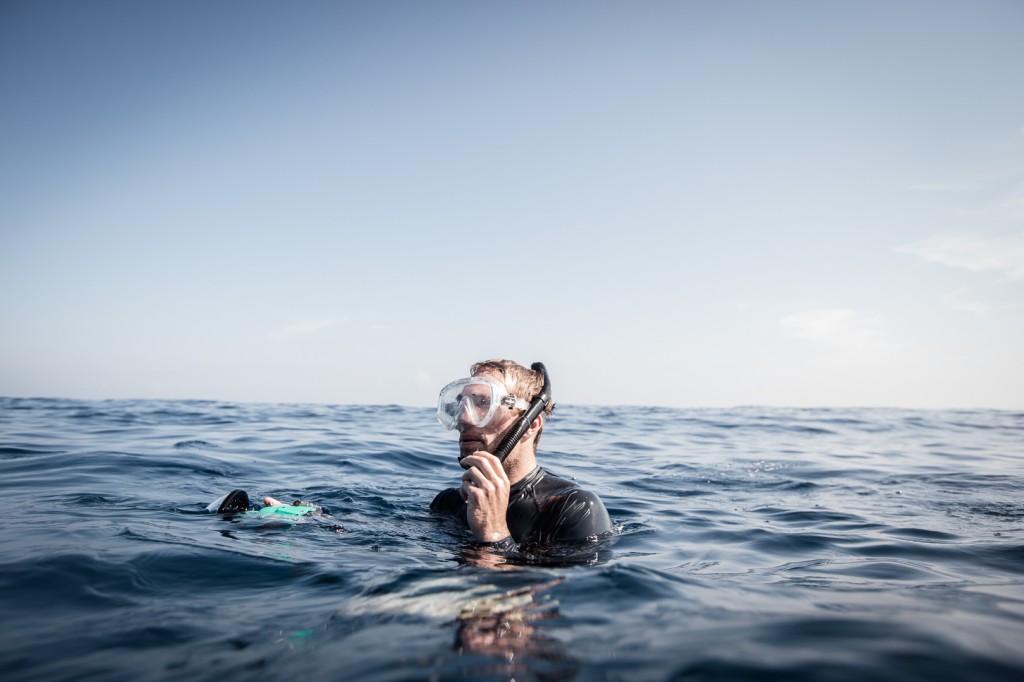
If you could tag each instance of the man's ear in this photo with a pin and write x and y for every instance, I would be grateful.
(537, 423)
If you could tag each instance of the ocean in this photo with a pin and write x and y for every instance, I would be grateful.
(751, 544)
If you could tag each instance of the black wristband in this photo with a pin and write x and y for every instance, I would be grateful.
(506, 544)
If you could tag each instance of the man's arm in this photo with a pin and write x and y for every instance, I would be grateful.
(447, 501)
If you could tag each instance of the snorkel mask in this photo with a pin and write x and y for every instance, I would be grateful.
(475, 399)
(479, 398)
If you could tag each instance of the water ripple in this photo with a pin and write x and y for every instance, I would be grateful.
(751, 543)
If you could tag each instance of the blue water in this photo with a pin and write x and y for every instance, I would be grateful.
(814, 544)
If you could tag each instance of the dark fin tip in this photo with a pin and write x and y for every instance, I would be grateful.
(236, 502)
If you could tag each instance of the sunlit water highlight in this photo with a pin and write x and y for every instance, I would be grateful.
(817, 544)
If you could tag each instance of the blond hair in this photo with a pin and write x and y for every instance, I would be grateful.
(522, 382)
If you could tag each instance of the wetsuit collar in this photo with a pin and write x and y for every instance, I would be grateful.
(525, 482)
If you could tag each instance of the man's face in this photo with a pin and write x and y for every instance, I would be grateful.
(486, 438)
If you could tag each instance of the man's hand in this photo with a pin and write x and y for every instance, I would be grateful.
(485, 489)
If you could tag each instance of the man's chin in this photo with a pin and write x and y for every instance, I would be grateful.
(468, 447)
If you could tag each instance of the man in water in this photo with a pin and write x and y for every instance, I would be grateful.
(514, 502)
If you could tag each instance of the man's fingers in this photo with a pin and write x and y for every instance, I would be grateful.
(488, 465)
(271, 502)
(485, 480)
(477, 478)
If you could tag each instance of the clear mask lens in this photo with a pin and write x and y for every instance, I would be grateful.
(474, 400)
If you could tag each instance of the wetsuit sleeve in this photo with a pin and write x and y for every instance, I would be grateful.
(578, 515)
(448, 501)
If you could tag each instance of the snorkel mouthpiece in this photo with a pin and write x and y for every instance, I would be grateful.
(537, 406)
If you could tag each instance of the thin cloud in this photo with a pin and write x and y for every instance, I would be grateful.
(1003, 254)
(944, 187)
(958, 301)
(846, 336)
(1012, 205)
(300, 329)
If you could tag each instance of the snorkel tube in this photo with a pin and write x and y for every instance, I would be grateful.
(537, 406)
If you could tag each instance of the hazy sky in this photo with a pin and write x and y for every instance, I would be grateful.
(669, 203)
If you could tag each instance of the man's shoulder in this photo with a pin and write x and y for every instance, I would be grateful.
(569, 493)
(448, 500)
(553, 484)
(573, 512)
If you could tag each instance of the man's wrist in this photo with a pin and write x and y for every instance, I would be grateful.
(505, 544)
(493, 536)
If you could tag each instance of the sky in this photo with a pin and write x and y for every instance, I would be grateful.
(687, 204)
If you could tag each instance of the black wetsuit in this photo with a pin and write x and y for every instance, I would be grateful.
(541, 508)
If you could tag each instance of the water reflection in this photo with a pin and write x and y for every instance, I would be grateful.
(507, 627)
(510, 631)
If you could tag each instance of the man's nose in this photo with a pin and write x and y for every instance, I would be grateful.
(462, 418)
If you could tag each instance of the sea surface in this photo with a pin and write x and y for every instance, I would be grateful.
(751, 544)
